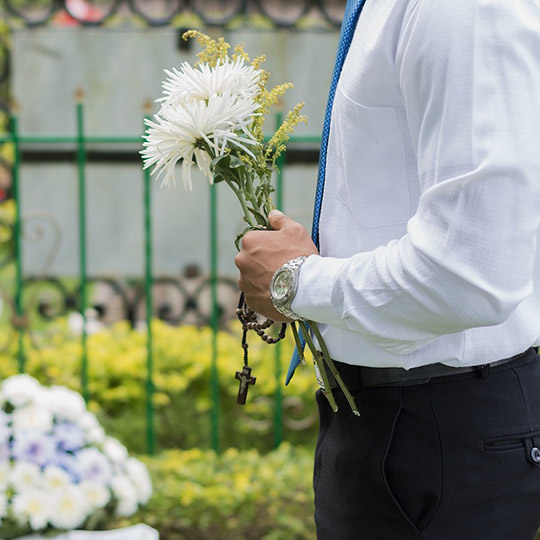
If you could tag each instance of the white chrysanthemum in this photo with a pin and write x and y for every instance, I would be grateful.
(55, 479)
(34, 507)
(5, 435)
(94, 466)
(115, 450)
(124, 493)
(32, 417)
(90, 425)
(25, 476)
(138, 474)
(198, 84)
(20, 390)
(189, 133)
(34, 446)
(4, 419)
(96, 495)
(5, 475)
(64, 403)
(70, 508)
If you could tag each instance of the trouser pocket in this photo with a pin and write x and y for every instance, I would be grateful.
(527, 443)
(413, 462)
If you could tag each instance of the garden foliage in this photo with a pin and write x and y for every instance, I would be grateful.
(237, 495)
(181, 376)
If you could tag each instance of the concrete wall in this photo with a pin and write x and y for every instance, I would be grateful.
(119, 69)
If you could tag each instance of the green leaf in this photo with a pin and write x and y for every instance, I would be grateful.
(261, 220)
(245, 231)
(226, 168)
(240, 236)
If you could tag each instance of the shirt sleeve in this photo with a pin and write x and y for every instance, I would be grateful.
(469, 74)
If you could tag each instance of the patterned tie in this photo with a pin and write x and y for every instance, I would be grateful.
(350, 19)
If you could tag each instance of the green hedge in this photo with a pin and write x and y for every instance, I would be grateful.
(237, 495)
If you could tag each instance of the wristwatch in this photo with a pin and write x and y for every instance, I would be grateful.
(284, 285)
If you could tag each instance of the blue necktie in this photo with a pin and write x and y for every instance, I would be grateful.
(350, 19)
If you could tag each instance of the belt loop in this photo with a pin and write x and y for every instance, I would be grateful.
(485, 371)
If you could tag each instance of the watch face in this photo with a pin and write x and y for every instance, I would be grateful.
(282, 285)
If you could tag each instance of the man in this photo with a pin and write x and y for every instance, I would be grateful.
(427, 285)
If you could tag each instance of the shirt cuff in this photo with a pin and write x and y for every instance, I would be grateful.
(313, 299)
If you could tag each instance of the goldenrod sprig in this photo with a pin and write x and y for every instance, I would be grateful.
(213, 50)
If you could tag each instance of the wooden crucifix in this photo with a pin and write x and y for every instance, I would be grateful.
(245, 379)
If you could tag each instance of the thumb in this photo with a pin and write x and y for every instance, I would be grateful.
(278, 220)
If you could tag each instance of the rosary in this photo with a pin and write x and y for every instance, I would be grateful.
(248, 318)
(249, 321)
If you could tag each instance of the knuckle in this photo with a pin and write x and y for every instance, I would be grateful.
(247, 239)
(238, 260)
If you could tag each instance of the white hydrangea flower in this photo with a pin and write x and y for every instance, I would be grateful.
(88, 422)
(5, 475)
(32, 417)
(65, 404)
(33, 506)
(96, 495)
(20, 390)
(25, 476)
(70, 508)
(94, 466)
(115, 450)
(124, 493)
(138, 474)
(197, 84)
(34, 446)
(4, 419)
(55, 479)
(59, 465)
(5, 436)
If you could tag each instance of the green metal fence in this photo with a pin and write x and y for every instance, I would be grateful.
(80, 141)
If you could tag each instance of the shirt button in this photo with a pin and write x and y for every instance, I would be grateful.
(535, 454)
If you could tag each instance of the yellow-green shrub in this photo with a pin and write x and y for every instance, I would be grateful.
(238, 495)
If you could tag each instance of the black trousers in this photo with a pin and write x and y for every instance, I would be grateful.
(456, 459)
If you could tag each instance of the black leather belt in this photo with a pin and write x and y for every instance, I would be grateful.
(358, 377)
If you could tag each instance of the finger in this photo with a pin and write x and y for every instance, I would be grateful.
(278, 220)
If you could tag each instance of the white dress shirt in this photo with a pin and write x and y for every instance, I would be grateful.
(431, 211)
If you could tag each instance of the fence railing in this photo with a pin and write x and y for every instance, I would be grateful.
(162, 12)
(80, 140)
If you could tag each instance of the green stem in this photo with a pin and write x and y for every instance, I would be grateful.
(328, 359)
(240, 196)
(318, 362)
(298, 344)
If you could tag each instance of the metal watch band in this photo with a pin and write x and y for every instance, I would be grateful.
(293, 266)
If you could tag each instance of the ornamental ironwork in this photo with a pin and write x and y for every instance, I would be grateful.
(282, 13)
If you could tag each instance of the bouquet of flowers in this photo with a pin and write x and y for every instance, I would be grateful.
(58, 469)
(212, 116)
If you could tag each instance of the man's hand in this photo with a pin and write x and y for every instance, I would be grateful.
(263, 252)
